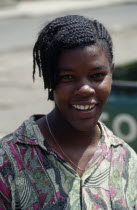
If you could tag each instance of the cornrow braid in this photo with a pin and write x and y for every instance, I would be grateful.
(66, 32)
(103, 35)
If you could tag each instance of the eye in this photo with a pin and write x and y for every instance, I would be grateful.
(98, 76)
(66, 78)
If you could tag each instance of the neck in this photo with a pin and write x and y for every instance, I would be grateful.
(63, 130)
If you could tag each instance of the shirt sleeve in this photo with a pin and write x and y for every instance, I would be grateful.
(132, 181)
(5, 177)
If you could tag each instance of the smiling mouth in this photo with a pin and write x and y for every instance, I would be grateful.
(82, 107)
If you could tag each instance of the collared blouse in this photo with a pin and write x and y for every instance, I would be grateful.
(34, 176)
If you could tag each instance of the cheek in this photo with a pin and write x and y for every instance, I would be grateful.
(105, 87)
(61, 97)
(63, 92)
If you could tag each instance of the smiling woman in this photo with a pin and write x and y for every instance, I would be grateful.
(68, 159)
(85, 76)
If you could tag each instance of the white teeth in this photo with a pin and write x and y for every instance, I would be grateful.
(86, 107)
(82, 107)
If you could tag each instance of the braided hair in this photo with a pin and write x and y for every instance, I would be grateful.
(66, 32)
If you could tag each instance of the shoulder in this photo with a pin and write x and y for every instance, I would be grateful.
(118, 143)
(6, 169)
(124, 158)
(127, 151)
(123, 166)
(6, 152)
(6, 139)
(9, 154)
(14, 144)
(122, 154)
(4, 148)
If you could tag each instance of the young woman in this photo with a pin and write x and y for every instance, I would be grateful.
(68, 159)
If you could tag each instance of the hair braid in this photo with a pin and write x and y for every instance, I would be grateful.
(66, 32)
(103, 35)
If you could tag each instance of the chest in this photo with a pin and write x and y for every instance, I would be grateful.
(49, 183)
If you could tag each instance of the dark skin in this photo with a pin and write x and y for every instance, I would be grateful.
(80, 154)
(85, 77)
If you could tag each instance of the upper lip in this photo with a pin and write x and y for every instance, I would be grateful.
(84, 107)
(84, 103)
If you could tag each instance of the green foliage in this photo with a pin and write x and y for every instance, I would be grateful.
(126, 72)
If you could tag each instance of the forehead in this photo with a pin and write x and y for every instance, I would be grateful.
(87, 55)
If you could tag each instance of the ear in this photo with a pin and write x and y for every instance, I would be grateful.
(112, 67)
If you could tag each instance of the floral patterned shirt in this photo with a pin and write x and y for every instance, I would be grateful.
(33, 176)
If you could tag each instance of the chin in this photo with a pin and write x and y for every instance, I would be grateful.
(85, 126)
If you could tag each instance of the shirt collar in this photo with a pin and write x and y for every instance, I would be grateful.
(108, 137)
(29, 133)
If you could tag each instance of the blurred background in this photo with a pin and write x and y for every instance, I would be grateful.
(20, 22)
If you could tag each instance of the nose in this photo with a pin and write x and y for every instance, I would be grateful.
(85, 89)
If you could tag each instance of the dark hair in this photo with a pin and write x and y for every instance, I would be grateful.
(66, 32)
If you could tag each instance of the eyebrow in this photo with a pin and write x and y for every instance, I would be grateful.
(65, 70)
(96, 68)
(99, 67)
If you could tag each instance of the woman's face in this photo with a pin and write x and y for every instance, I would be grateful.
(85, 77)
